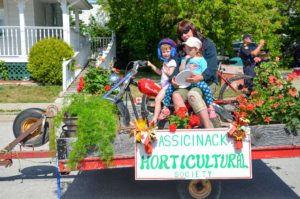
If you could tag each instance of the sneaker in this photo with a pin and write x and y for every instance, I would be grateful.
(165, 112)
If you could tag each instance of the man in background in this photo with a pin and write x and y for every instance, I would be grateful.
(249, 53)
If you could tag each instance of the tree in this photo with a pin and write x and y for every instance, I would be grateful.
(140, 24)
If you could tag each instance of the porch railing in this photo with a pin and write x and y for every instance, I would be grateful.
(10, 41)
(10, 38)
(34, 34)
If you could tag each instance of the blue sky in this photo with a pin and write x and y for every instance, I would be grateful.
(92, 1)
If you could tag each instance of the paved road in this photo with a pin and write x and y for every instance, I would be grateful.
(36, 179)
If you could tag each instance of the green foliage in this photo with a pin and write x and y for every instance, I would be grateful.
(95, 29)
(46, 58)
(274, 99)
(96, 126)
(3, 70)
(139, 26)
(95, 81)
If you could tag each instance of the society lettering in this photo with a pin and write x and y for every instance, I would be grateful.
(193, 161)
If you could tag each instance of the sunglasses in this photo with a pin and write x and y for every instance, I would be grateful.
(185, 31)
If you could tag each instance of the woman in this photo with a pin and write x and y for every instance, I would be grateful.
(186, 29)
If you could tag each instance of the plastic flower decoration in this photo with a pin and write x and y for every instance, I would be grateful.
(144, 135)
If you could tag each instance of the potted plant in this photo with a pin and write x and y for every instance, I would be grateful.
(274, 102)
(96, 123)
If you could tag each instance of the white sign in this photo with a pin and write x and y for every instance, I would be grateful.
(193, 154)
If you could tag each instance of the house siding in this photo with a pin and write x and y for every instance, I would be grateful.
(12, 13)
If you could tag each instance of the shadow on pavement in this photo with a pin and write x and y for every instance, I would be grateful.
(120, 183)
(35, 172)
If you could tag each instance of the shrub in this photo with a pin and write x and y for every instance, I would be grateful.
(3, 70)
(45, 60)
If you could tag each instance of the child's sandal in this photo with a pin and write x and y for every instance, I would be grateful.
(211, 113)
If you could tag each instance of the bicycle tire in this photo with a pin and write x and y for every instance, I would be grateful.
(224, 89)
(147, 111)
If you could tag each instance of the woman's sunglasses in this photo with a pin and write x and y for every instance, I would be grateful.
(185, 31)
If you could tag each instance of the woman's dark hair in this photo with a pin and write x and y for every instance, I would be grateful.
(186, 25)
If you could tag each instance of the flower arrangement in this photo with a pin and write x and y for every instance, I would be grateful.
(273, 100)
(144, 135)
(96, 81)
(181, 119)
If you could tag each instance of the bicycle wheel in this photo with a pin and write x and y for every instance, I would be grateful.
(147, 107)
(229, 91)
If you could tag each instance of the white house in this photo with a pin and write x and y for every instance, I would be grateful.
(25, 22)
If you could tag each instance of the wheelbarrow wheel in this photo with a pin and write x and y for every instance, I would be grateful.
(25, 120)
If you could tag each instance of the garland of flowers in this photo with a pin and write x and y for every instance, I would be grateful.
(144, 135)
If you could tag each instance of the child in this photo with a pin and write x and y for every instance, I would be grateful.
(166, 51)
(195, 62)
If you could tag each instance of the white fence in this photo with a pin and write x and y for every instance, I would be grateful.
(10, 38)
(108, 55)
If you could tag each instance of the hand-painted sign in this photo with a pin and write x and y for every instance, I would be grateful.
(193, 154)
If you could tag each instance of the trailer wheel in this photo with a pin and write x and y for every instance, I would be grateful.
(25, 120)
(200, 188)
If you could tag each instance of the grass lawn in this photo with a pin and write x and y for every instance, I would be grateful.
(28, 94)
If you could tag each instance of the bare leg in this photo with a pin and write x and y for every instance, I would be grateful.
(199, 108)
(158, 99)
(177, 100)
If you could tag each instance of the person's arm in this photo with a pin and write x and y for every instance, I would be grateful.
(256, 51)
(169, 68)
(183, 63)
(210, 55)
(154, 68)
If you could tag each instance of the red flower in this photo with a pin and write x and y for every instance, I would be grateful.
(80, 84)
(272, 79)
(107, 88)
(293, 92)
(275, 105)
(242, 106)
(182, 112)
(253, 93)
(280, 96)
(292, 76)
(238, 144)
(250, 107)
(148, 148)
(267, 119)
(172, 128)
(194, 120)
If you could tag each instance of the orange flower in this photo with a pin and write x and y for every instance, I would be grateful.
(272, 79)
(267, 119)
(250, 107)
(253, 93)
(279, 83)
(275, 105)
(293, 92)
(260, 102)
(280, 96)
(242, 106)
(107, 88)
(245, 90)
(292, 76)
(271, 99)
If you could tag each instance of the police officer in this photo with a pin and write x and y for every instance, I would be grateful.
(249, 53)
